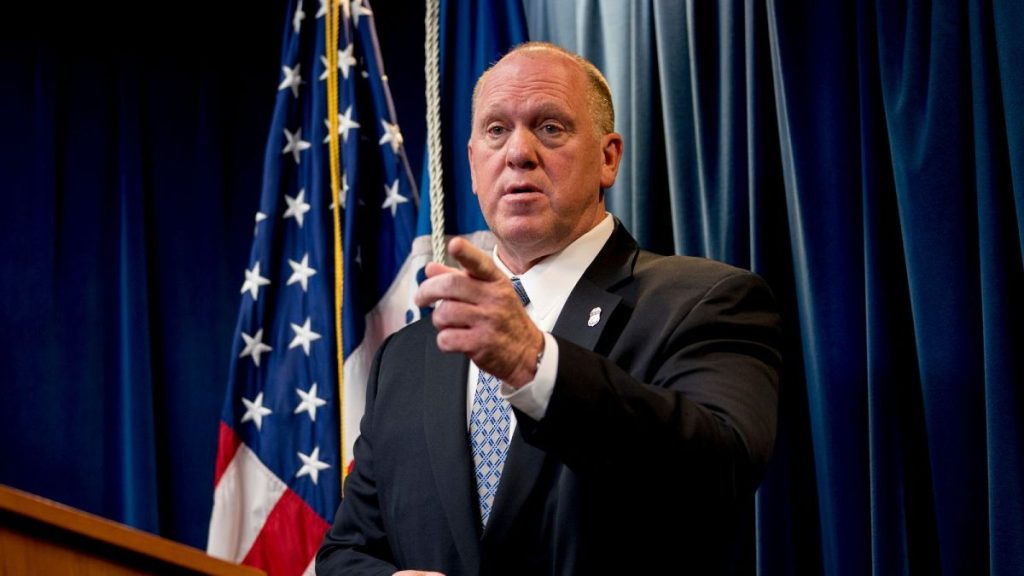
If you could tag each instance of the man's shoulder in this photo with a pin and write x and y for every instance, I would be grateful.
(652, 267)
(686, 270)
(416, 331)
(407, 339)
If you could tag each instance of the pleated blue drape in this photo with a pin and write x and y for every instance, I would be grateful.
(130, 170)
(867, 158)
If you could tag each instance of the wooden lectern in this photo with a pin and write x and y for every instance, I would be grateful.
(39, 536)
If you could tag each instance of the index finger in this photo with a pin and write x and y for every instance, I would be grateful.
(473, 260)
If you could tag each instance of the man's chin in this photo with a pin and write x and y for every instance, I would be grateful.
(523, 231)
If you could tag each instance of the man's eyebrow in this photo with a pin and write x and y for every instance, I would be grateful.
(553, 110)
(559, 113)
(546, 110)
(491, 110)
(488, 113)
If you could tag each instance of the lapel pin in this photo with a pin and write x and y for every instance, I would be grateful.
(595, 317)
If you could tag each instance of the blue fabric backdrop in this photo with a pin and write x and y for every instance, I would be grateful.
(130, 164)
(867, 158)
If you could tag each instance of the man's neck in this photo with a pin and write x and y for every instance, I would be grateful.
(518, 262)
(518, 265)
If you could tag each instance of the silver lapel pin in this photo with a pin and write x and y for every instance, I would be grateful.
(595, 317)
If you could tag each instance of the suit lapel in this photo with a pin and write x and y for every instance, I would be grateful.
(444, 422)
(524, 464)
(593, 301)
(585, 315)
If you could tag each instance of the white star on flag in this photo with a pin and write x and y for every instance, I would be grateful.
(359, 10)
(346, 60)
(345, 123)
(254, 346)
(295, 144)
(392, 135)
(253, 281)
(255, 411)
(297, 206)
(342, 194)
(311, 465)
(323, 9)
(393, 198)
(310, 402)
(292, 79)
(260, 217)
(300, 271)
(304, 336)
(298, 17)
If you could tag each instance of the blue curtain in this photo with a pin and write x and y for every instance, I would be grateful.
(868, 159)
(130, 170)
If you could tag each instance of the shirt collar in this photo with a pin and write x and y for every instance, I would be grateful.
(550, 281)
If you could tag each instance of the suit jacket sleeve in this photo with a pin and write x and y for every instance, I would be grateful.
(688, 381)
(357, 542)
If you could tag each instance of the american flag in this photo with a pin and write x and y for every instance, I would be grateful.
(282, 449)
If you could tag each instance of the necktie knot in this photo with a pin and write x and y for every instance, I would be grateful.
(520, 291)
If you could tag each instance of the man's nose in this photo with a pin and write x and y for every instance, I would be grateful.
(521, 149)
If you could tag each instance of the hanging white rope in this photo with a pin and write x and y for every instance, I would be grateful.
(432, 48)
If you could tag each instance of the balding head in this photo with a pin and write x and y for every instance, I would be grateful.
(599, 96)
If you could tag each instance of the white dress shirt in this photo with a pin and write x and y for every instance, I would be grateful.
(548, 284)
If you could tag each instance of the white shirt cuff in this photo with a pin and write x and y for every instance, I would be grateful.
(533, 398)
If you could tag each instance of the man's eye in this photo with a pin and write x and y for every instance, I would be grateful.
(496, 130)
(551, 128)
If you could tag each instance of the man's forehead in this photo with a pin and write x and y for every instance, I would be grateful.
(534, 80)
(548, 60)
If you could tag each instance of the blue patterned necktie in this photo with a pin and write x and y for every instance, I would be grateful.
(488, 429)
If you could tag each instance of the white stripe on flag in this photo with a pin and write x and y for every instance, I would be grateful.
(244, 498)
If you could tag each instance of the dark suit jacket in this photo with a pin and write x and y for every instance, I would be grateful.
(661, 422)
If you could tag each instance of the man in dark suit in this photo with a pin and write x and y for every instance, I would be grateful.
(618, 422)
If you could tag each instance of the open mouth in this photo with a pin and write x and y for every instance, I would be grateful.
(521, 189)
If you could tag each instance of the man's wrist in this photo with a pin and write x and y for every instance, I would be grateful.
(533, 398)
(526, 370)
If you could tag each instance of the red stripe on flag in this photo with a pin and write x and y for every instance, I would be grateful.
(289, 539)
(227, 445)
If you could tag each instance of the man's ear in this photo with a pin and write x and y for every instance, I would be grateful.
(472, 170)
(611, 151)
